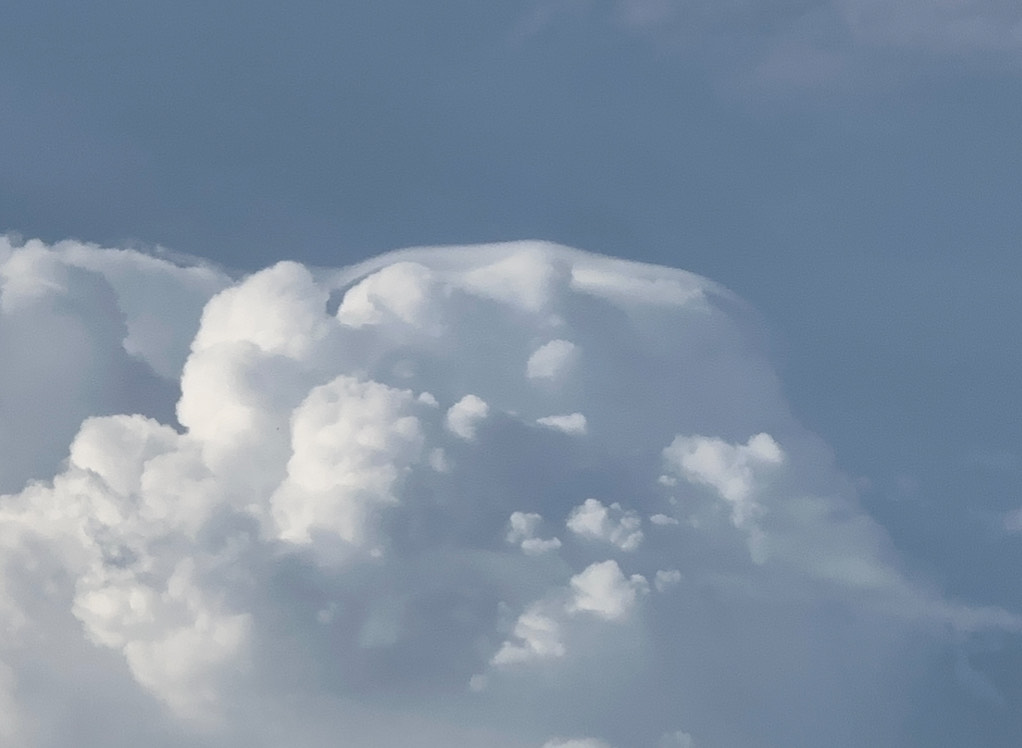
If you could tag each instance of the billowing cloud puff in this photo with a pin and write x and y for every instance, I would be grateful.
(352, 442)
(465, 414)
(536, 635)
(591, 519)
(523, 528)
(310, 507)
(83, 332)
(732, 470)
(602, 589)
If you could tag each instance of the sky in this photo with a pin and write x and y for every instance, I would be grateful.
(775, 440)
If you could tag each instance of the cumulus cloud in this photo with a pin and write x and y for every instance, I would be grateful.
(600, 590)
(522, 532)
(400, 291)
(551, 360)
(612, 524)
(666, 578)
(603, 589)
(663, 519)
(536, 635)
(572, 423)
(734, 471)
(309, 506)
(85, 331)
(465, 414)
(352, 441)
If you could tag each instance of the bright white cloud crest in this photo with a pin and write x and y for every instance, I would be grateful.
(350, 529)
(591, 519)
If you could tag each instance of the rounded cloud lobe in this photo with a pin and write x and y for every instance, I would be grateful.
(502, 494)
(84, 332)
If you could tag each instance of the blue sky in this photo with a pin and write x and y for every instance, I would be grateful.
(851, 168)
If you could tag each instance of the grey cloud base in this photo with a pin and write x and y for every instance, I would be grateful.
(503, 495)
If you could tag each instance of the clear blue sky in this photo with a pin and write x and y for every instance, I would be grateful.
(851, 168)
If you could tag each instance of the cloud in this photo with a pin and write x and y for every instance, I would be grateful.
(603, 589)
(400, 291)
(465, 414)
(733, 471)
(314, 505)
(666, 578)
(591, 519)
(522, 532)
(572, 423)
(551, 360)
(352, 441)
(536, 635)
(663, 519)
(85, 331)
